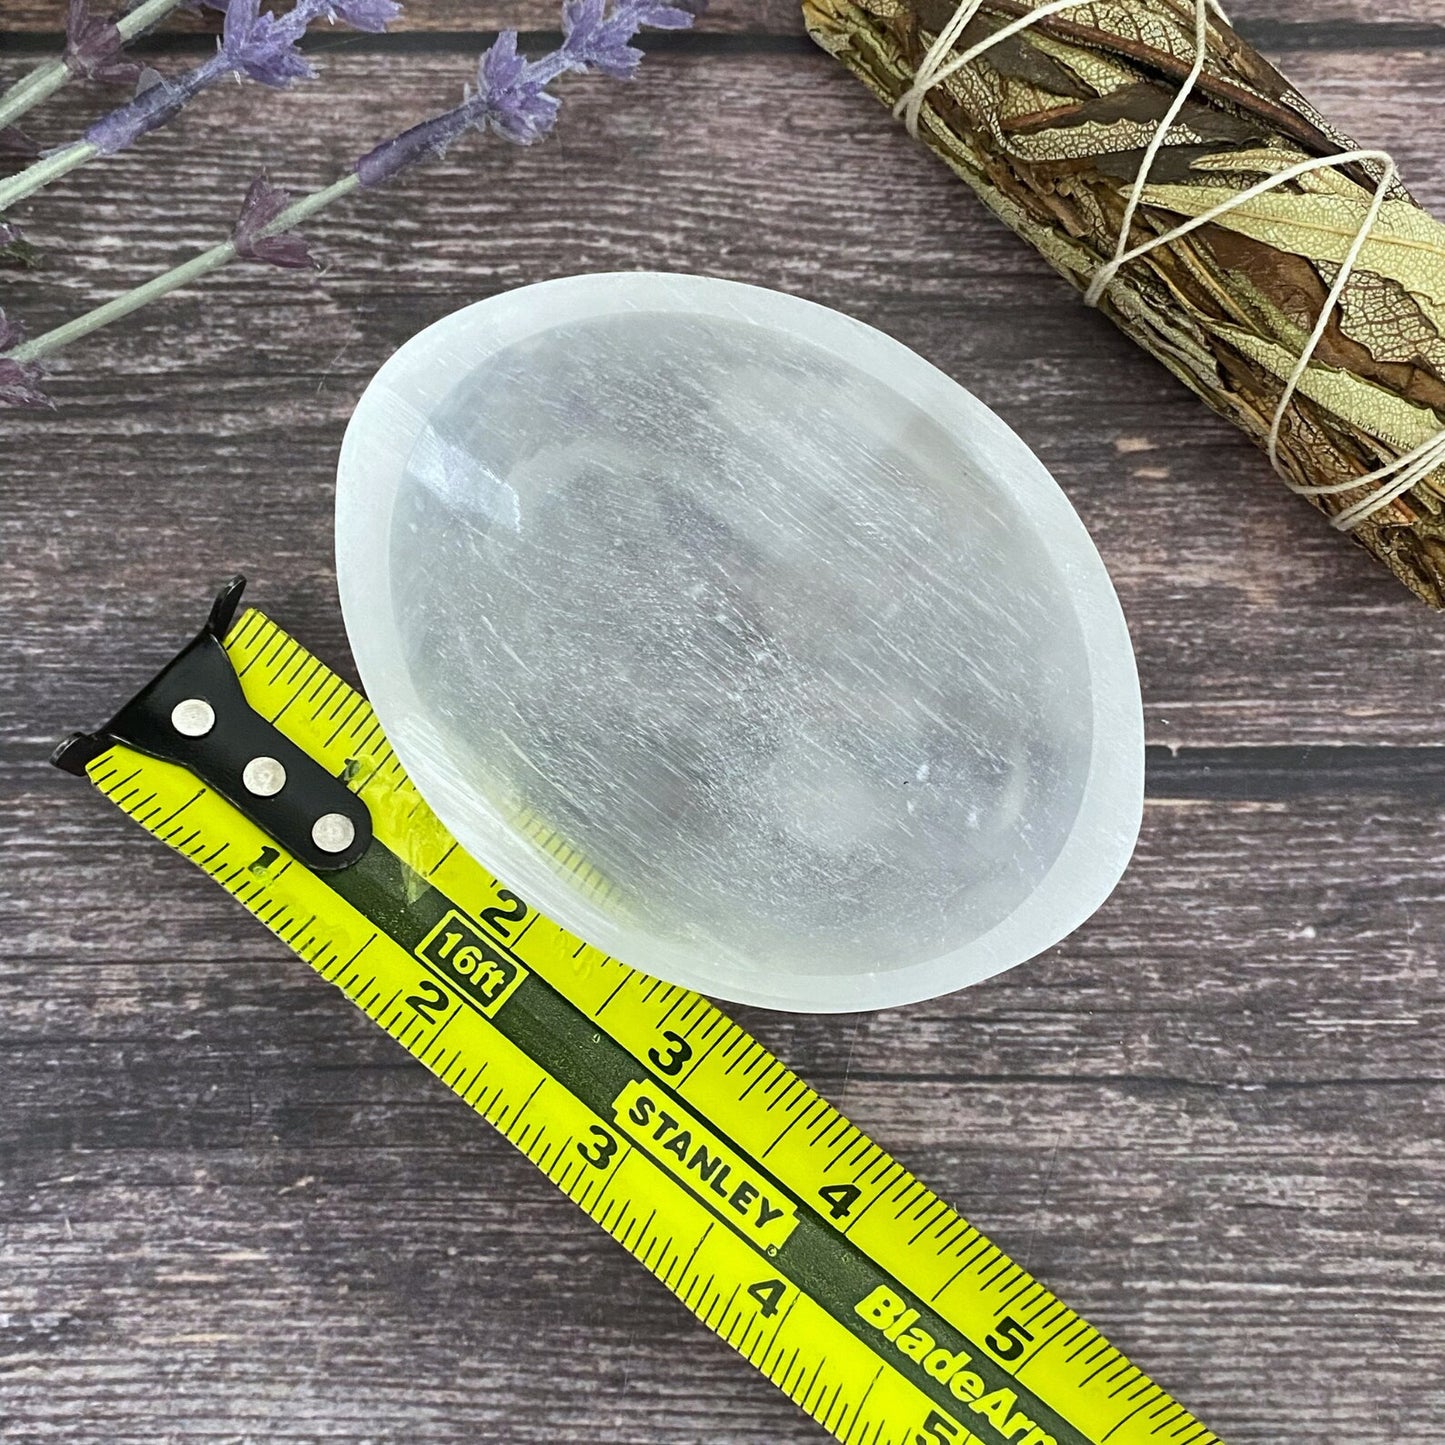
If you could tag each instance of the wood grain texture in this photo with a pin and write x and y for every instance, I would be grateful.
(231, 1210)
(766, 171)
(778, 17)
(231, 1205)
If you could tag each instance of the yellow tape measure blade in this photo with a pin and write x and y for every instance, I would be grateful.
(852, 1287)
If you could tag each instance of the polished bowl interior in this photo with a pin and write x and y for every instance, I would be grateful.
(739, 639)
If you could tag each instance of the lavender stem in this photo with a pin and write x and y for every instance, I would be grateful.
(47, 77)
(48, 168)
(201, 264)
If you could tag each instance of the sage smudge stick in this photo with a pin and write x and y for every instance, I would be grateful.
(1052, 127)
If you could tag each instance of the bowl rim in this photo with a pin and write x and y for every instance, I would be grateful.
(1101, 840)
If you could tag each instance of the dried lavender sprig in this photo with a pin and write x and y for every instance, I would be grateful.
(511, 101)
(253, 46)
(91, 45)
(27, 353)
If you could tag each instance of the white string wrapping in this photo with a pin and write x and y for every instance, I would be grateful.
(1391, 480)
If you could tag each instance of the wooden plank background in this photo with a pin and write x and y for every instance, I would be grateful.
(230, 1210)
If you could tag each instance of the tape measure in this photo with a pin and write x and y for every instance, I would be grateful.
(851, 1286)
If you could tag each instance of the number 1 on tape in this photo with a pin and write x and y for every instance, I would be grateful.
(852, 1287)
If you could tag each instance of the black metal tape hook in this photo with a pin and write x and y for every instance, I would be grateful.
(194, 713)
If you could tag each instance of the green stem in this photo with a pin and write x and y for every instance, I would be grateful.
(31, 89)
(199, 265)
(144, 16)
(50, 168)
(50, 75)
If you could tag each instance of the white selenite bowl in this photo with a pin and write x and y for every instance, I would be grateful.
(739, 640)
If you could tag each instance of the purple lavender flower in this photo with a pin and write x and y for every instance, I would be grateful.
(19, 380)
(512, 98)
(254, 45)
(94, 46)
(371, 15)
(263, 203)
(595, 40)
(512, 95)
(152, 107)
(263, 47)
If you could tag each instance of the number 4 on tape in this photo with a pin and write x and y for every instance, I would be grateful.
(853, 1288)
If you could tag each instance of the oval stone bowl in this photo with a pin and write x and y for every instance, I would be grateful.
(739, 640)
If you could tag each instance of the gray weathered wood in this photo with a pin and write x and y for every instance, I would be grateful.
(232, 1205)
(231, 1210)
(761, 167)
(1322, 19)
